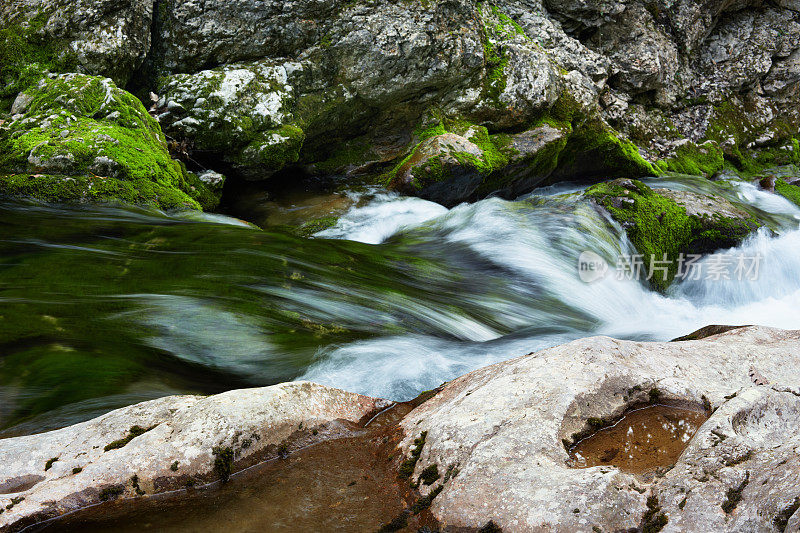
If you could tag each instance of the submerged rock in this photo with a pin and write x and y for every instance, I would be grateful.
(80, 138)
(165, 444)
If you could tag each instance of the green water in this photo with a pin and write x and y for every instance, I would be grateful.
(100, 308)
(105, 307)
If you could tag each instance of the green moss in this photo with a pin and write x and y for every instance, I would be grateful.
(781, 520)
(660, 228)
(498, 28)
(133, 432)
(705, 159)
(274, 149)
(407, 467)
(316, 225)
(654, 520)
(347, 154)
(26, 56)
(440, 167)
(109, 493)
(174, 466)
(654, 395)
(732, 129)
(656, 226)
(82, 138)
(60, 188)
(734, 495)
(430, 474)
(223, 461)
(790, 192)
(432, 130)
(77, 470)
(423, 503)
(595, 150)
(14, 501)
(49, 463)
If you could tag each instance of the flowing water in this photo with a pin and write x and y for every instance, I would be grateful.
(104, 307)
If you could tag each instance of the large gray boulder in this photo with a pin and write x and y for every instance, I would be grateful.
(503, 430)
(490, 445)
(101, 37)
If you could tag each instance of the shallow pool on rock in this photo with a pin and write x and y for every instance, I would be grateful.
(643, 440)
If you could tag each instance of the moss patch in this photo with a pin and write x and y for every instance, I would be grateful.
(316, 225)
(734, 495)
(788, 191)
(407, 467)
(109, 493)
(133, 432)
(423, 503)
(223, 461)
(703, 160)
(26, 55)
(654, 520)
(430, 474)
(594, 150)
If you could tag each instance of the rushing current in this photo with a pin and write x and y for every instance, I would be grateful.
(105, 307)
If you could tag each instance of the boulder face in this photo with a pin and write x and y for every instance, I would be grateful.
(501, 435)
(101, 37)
(491, 446)
(164, 444)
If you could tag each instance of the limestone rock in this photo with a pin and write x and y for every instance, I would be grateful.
(499, 432)
(442, 167)
(662, 224)
(103, 37)
(166, 444)
(81, 138)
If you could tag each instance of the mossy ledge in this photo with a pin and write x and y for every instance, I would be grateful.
(455, 160)
(77, 138)
(659, 227)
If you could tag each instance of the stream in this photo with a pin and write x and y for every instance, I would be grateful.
(102, 307)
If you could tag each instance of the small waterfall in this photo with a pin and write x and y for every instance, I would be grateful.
(107, 306)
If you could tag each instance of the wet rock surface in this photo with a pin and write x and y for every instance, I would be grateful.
(504, 429)
(166, 444)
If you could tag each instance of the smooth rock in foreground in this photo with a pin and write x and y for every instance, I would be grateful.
(501, 435)
(188, 440)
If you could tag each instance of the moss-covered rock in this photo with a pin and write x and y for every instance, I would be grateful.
(455, 161)
(448, 167)
(78, 137)
(595, 151)
(788, 190)
(662, 224)
(243, 112)
(532, 158)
